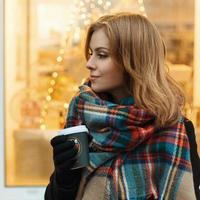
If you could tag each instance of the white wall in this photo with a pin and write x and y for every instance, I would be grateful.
(10, 193)
(1, 96)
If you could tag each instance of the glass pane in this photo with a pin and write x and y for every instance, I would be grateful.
(44, 64)
(43, 74)
(176, 24)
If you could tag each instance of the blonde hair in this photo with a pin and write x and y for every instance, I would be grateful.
(137, 46)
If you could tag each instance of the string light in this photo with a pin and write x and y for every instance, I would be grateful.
(54, 74)
(50, 90)
(43, 126)
(142, 7)
(66, 105)
(84, 10)
(96, 7)
(59, 59)
(53, 82)
(48, 98)
(81, 3)
(100, 2)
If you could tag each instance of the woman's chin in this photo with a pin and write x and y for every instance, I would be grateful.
(97, 89)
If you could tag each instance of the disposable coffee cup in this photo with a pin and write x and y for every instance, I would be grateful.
(79, 135)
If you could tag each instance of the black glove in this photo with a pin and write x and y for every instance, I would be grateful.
(64, 157)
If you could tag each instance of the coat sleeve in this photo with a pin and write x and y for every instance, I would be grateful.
(195, 160)
(54, 191)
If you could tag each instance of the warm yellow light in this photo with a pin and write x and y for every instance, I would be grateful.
(50, 90)
(55, 74)
(86, 22)
(53, 82)
(100, 2)
(59, 59)
(77, 34)
(83, 16)
(140, 1)
(142, 9)
(48, 98)
(66, 105)
(82, 81)
(108, 3)
(43, 126)
(81, 3)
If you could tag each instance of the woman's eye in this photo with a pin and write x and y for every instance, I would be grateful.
(101, 56)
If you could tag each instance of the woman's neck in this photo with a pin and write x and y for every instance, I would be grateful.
(117, 96)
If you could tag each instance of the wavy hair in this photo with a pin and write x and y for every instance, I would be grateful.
(137, 46)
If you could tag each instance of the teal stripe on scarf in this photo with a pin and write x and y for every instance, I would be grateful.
(126, 143)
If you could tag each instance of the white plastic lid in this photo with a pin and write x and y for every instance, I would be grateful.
(73, 129)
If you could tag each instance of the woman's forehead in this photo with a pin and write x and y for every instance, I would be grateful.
(99, 39)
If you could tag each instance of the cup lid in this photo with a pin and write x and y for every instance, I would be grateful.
(73, 129)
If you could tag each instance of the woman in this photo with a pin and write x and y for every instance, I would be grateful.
(139, 148)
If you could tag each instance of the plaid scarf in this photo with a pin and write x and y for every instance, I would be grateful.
(129, 157)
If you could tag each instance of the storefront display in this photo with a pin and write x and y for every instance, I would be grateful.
(46, 44)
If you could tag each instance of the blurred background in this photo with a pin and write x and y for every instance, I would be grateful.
(44, 65)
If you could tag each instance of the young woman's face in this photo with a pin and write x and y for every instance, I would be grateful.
(105, 75)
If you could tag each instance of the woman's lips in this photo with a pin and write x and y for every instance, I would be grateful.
(93, 77)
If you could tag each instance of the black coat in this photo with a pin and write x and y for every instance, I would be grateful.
(57, 192)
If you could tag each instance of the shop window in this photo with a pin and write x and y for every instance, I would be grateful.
(44, 65)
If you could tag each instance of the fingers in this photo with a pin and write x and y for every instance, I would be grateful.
(62, 147)
(65, 156)
(64, 152)
(61, 139)
(67, 164)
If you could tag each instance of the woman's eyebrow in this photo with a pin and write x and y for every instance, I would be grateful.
(99, 48)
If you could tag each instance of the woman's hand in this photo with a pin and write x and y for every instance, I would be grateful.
(64, 157)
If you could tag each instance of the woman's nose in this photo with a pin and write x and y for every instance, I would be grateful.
(90, 63)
